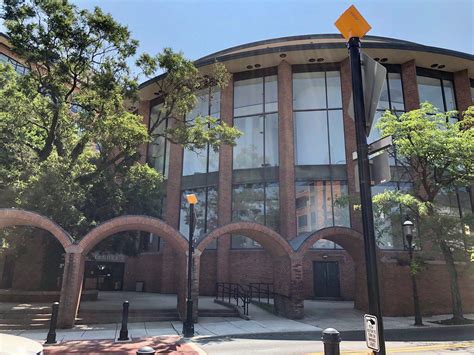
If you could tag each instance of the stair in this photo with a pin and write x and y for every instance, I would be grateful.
(134, 316)
(25, 319)
(230, 312)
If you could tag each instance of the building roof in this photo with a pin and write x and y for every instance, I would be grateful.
(332, 48)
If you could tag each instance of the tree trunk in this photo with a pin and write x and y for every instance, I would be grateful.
(455, 295)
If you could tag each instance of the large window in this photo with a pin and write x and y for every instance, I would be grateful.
(205, 209)
(159, 148)
(391, 99)
(317, 206)
(258, 203)
(205, 160)
(438, 91)
(255, 156)
(320, 156)
(255, 114)
(319, 129)
(19, 68)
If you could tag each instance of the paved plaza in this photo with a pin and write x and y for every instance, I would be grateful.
(319, 315)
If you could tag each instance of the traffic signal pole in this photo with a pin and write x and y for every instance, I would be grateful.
(365, 191)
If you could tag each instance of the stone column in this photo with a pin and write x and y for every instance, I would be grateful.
(224, 195)
(462, 89)
(350, 140)
(71, 286)
(410, 86)
(144, 111)
(286, 151)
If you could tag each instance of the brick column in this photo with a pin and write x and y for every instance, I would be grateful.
(144, 111)
(286, 151)
(288, 286)
(224, 195)
(410, 86)
(350, 140)
(71, 286)
(173, 203)
(462, 89)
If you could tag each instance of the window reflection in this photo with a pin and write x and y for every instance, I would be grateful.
(436, 91)
(158, 150)
(205, 209)
(203, 160)
(316, 206)
(257, 203)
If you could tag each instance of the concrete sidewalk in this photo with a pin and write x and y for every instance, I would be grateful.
(319, 315)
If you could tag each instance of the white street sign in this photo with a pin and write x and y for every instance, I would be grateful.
(371, 332)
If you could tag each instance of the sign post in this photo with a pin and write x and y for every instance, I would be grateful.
(371, 332)
(353, 26)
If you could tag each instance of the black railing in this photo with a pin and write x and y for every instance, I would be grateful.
(261, 291)
(234, 293)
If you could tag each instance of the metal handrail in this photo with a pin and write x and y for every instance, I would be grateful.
(233, 292)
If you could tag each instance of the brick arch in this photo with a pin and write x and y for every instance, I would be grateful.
(130, 223)
(351, 240)
(270, 240)
(14, 217)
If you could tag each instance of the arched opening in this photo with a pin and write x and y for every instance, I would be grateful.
(31, 268)
(270, 262)
(334, 272)
(121, 260)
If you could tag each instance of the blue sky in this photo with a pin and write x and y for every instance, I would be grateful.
(201, 27)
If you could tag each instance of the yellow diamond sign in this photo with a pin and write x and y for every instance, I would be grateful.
(352, 24)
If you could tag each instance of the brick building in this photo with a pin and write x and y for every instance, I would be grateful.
(267, 208)
(290, 97)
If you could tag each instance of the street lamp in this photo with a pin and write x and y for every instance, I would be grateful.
(408, 233)
(188, 325)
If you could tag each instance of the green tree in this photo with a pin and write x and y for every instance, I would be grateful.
(70, 147)
(437, 155)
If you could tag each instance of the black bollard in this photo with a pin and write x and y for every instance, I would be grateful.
(51, 337)
(124, 330)
(331, 339)
(145, 350)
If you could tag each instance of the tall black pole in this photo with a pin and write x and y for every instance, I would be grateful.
(416, 301)
(365, 192)
(188, 326)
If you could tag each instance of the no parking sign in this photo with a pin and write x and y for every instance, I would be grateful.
(371, 332)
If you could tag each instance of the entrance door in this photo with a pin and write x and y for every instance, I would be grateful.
(326, 279)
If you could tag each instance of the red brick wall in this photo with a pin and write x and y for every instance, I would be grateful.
(433, 288)
(410, 86)
(208, 273)
(350, 140)
(462, 88)
(250, 266)
(145, 267)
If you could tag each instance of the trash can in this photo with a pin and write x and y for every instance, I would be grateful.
(140, 286)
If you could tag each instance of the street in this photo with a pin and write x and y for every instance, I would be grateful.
(459, 340)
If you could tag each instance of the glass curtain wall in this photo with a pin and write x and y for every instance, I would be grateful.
(320, 157)
(255, 157)
(159, 148)
(200, 172)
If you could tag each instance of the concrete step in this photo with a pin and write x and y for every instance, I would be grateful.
(134, 316)
(218, 313)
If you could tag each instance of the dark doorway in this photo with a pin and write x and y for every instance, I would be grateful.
(8, 271)
(104, 276)
(326, 279)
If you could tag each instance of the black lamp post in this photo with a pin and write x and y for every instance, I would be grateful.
(408, 232)
(188, 325)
